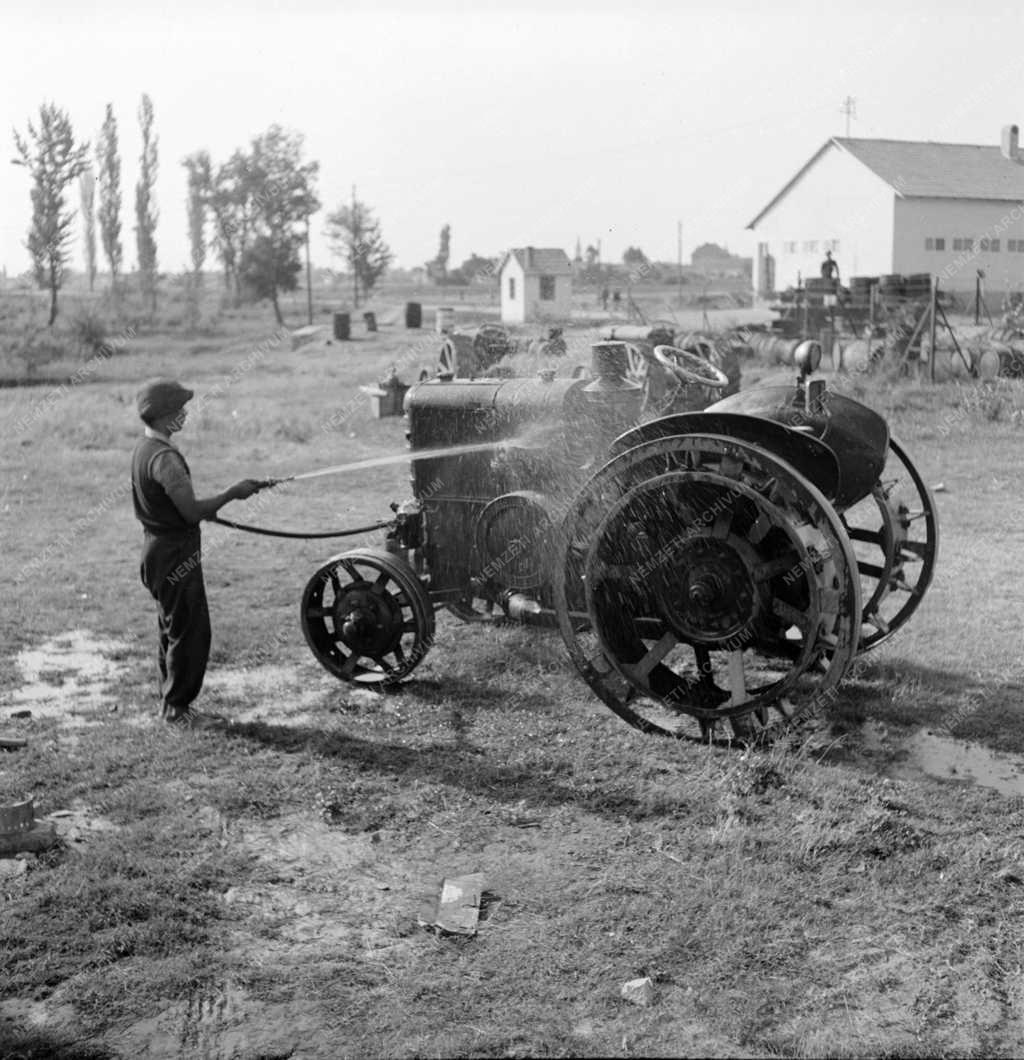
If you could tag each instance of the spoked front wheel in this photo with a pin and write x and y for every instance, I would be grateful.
(367, 617)
(895, 534)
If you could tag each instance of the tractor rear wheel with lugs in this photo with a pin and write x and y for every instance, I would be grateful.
(719, 585)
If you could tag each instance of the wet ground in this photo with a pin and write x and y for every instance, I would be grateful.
(74, 677)
(306, 872)
(927, 753)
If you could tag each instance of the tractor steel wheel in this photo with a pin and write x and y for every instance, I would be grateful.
(367, 617)
(720, 587)
(895, 535)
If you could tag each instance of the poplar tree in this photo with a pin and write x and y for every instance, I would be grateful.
(53, 159)
(87, 188)
(108, 163)
(145, 204)
(197, 166)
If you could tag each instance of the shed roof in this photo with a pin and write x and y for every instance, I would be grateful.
(927, 170)
(546, 260)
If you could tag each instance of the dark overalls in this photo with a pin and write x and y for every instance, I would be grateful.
(172, 571)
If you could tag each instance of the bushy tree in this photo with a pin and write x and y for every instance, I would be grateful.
(283, 199)
(53, 158)
(266, 193)
(108, 165)
(476, 269)
(267, 268)
(355, 234)
(634, 258)
(227, 196)
(145, 204)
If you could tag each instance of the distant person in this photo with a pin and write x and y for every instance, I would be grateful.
(604, 298)
(171, 567)
(830, 270)
(616, 300)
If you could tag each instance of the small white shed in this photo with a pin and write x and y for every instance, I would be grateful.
(536, 285)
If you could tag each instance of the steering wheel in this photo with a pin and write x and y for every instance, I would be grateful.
(689, 368)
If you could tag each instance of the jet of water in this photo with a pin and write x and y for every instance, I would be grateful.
(398, 458)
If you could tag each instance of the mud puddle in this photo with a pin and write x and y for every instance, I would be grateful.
(69, 677)
(934, 754)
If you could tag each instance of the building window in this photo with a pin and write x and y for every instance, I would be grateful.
(512, 288)
(789, 247)
(929, 243)
(984, 244)
(963, 243)
(993, 245)
(810, 246)
(1015, 245)
(547, 288)
(934, 243)
(940, 243)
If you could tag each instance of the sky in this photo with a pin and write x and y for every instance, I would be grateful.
(517, 124)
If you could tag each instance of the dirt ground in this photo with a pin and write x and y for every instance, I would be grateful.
(257, 891)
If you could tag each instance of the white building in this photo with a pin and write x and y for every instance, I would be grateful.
(896, 206)
(536, 285)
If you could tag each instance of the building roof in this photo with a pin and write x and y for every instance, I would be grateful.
(927, 170)
(547, 260)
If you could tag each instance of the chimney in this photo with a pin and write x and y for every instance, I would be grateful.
(1009, 147)
(529, 250)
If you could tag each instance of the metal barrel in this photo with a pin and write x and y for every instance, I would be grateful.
(342, 325)
(760, 342)
(957, 368)
(413, 315)
(988, 363)
(784, 350)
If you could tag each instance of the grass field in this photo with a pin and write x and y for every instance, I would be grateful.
(255, 892)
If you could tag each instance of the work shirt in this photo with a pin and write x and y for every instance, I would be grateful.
(156, 465)
(170, 544)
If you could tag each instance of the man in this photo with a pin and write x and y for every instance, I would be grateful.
(171, 567)
(829, 269)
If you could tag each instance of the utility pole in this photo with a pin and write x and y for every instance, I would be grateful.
(849, 108)
(679, 255)
(309, 275)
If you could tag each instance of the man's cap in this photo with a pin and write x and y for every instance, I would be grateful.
(160, 397)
